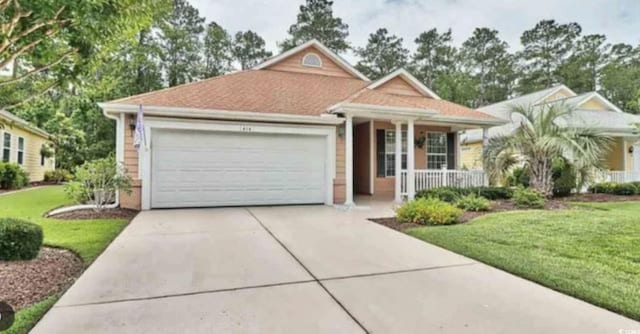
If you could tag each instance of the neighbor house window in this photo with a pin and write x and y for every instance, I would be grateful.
(436, 150)
(6, 147)
(390, 152)
(312, 60)
(20, 150)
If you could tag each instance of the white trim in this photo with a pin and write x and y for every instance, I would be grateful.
(320, 47)
(398, 160)
(24, 146)
(411, 161)
(5, 132)
(15, 120)
(557, 89)
(602, 99)
(155, 123)
(411, 80)
(372, 156)
(313, 54)
(348, 160)
(446, 149)
(234, 115)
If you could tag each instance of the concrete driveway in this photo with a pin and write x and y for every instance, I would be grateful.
(302, 269)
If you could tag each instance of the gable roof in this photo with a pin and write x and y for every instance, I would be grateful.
(501, 109)
(13, 120)
(321, 48)
(579, 100)
(408, 78)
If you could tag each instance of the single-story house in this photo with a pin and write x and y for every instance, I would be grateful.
(303, 127)
(25, 145)
(590, 110)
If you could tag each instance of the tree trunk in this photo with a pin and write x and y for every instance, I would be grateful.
(541, 176)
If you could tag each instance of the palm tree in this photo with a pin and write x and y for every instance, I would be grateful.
(538, 140)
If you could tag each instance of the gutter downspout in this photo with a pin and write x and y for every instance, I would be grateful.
(119, 149)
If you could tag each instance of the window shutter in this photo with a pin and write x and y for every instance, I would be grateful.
(451, 150)
(380, 141)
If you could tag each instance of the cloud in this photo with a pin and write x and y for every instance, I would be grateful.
(619, 20)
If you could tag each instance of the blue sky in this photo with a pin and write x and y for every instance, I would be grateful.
(618, 19)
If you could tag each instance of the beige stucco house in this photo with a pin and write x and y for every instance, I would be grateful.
(21, 143)
(590, 110)
(303, 127)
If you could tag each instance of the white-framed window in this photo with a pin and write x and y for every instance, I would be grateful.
(6, 147)
(20, 151)
(390, 152)
(312, 60)
(436, 150)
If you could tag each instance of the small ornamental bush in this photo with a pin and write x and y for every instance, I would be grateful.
(445, 194)
(625, 189)
(428, 211)
(57, 176)
(493, 193)
(96, 182)
(602, 188)
(564, 178)
(528, 198)
(473, 202)
(12, 176)
(19, 239)
(519, 177)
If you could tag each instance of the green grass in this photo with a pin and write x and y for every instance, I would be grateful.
(87, 238)
(591, 252)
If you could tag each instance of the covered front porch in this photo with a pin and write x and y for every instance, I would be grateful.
(622, 160)
(391, 158)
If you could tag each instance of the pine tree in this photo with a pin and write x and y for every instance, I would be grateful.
(434, 56)
(581, 71)
(383, 54)
(217, 51)
(316, 21)
(180, 43)
(249, 49)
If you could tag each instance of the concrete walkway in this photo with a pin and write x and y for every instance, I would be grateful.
(302, 269)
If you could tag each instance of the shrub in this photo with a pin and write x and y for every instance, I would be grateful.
(19, 239)
(451, 194)
(528, 198)
(57, 176)
(564, 178)
(12, 176)
(96, 182)
(602, 188)
(473, 202)
(625, 189)
(446, 194)
(493, 193)
(519, 177)
(428, 211)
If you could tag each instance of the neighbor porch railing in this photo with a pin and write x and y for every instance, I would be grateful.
(435, 178)
(616, 176)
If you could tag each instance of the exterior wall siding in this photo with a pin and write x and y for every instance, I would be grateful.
(398, 86)
(593, 104)
(294, 64)
(615, 158)
(32, 145)
(339, 182)
(471, 155)
(134, 199)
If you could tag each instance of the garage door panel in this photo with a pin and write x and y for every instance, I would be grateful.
(199, 168)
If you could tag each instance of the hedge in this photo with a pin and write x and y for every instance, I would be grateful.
(19, 239)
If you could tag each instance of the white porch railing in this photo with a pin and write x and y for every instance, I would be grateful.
(435, 178)
(616, 176)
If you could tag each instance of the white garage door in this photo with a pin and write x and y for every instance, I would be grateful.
(205, 168)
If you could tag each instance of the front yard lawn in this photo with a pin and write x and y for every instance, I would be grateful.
(591, 252)
(87, 238)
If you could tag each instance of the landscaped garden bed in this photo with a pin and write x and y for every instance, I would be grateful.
(85, 214)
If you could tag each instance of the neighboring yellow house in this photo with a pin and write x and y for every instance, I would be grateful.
(22, 143)
(591, 111)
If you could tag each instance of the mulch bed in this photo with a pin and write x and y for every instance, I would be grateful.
(27, 282)
(497, 206)
(92, 214)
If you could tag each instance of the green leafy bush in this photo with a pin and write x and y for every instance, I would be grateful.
(623, 189)
(564, 178)
(428, 211)
(96, 182)
(451, 194)
(57, 176)
(473, 202)
(19, 239)
(519, 177)
(528, 198)
(12, 176)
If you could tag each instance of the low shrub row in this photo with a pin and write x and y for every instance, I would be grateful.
(428, 211)
(624, 189)
(12, 176)
(452, 195)
(473, 202)
(19, 239)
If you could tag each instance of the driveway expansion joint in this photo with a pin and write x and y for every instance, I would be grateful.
(337, 278)
(187, 294)
(315, 279)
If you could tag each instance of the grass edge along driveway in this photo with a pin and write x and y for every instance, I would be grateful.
(590, 252)
(87, 238)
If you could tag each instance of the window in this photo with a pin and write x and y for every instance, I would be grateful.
(6, 147)
(436, 150)
(20, 150)
(390, 152)
(311, 60)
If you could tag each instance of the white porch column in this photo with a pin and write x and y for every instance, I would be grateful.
(348, 163)
(458, 156)
(398, 195)
(411, 183)
(485, 137)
